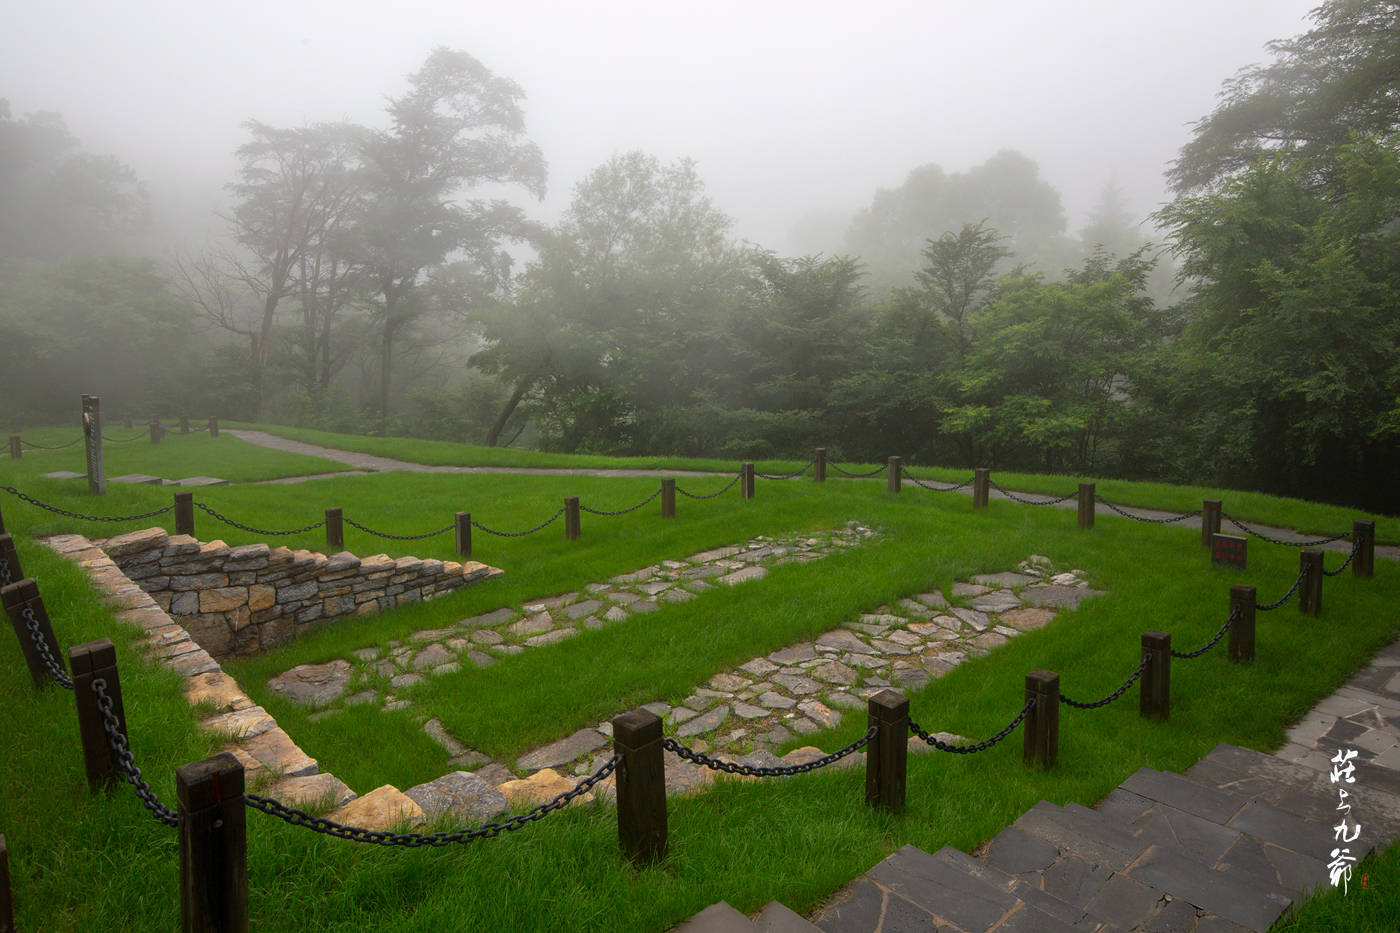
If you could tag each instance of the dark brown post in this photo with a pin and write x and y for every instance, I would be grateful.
(463, 524)
(1042, 723)
(1086, 505)
(213, 427)
(184, 425)
(335, 530)
(819, 465)
(213, 846)
(981, 480)
(886, 755)
(157, 432)
(7, 900)
(10, 570)
(21, 596)
(746, 482)
(184, 513)
(1241, 646)
(2, 520)
(896, 467)
(668, 498)
(1363, 539)
(89, 662)
(1210, 520)
(1310, 590)
(16, 448)
(572, 528)
(641, 786)
(92, 445)
(1155, 689)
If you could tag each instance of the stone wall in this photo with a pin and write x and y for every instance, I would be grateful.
(240, 600)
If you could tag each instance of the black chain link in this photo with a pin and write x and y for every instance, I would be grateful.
(125, 760)
(78, 515)
(258, 531)
(734, 767)
(124, 440)
(875, 472)
(1355, 546)
(1024, 501)
(792, 475)
(517, 534)
(713, 495)
(981, 746)
(5, 576)
(584, 508)
(413, 840)
(384, 534)
(935, 488)
(1272, 540)
(47, 447)
(1150, 521)
(1286, 596)
(41, 645)
(202, 427)
(1132, 679)
(1234, 617)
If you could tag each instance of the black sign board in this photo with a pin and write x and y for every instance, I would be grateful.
(1228, 550)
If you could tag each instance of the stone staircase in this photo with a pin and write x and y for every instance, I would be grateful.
(1228, 846)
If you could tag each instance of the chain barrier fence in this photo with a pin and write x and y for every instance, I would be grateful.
(1025, 501)
(35, 446)
(932, 486)
(793, 475)
(123, 440)
(79, 515)
(648, 499)
(1234, 617)
(1141, 518)
(1272, 540)
(875, 472)
(518, 534)
(1355, 549)
(1132, 679)
(734, 767)
(384, 534)
(126, 761)
(41, 646)
(981, 746)
(1302, 575)
(258, 531)
(713, 495)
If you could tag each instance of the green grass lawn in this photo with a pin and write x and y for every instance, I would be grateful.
(99, 862)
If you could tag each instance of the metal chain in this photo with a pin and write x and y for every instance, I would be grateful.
(125, 760)
(41, 645)
(258, 531)
(918, 482)
(792, 475)
(1355, 546)
(47, 447)
(875, 472)
(734, 767)
(5, 577)
(1285, 597)
(1234, 617)
(713, 495)
(78, 515)
(634, 508)
(1024, 501)
(124, 440)
(384, 534)
(414, 840)
(1150, 521)
(980, 746)
(202, 427)
(517, 534)
(1146, 657)
(1272, 540)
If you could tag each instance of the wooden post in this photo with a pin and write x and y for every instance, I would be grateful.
(92, 445)
(213, 426)
(1363, 538)
(1210, 520)
(887, 754)
(668, 497)
(10, 570)
(1154, 691)
(1042, 723)
(17, 597)
(572, 527)
(89, 662)
(184, 425)
(184, 513)
(746, 480)
(7, 900)
(1310, 590)
(981, 479)
(335, 530)
(463, 524)
(2, 520)
(641, 785)
(1241, 645)
(819, 465)
(213, 846)
(16, 447)
(157, 432)
(1086, 505)
(896, 465)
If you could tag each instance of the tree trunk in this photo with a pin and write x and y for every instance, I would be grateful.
(494, 435)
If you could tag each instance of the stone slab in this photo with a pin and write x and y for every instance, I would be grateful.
(195, 481)
(563, 751)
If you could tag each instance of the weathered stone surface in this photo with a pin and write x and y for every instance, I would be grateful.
(773, 700)
(216, 688)
(489, 619)
(845, 640)
(744, 575)
(275, 751)
(834, 672)
(311, 789)
(563, 751)
(242, 723)
(540, 787)
(1058, 596)
(997, 601)
(972, 617)
(400, 681)
(728, 682)
(1027, 619)
(968, 589)
(758, 667)
(794, 683)
(707, 722)
(532, 625)
(581, 609)
(382, 808)
(793, 654)
(487, 636)
(461, 795)
(820, 713)
(549, 638)
(432, 656)
(313, 684)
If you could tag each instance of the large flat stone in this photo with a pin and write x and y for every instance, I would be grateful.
(563, 751)
(313, 684)
(1226, 893)
(311, 789)
(1057, 596)
(941, 889)
(707, 722)
(382, 808)
(461, 795)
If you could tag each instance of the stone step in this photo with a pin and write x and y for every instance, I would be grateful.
(1040, 902)
(776, 918)
(1195, 797)
(717, 918)
(1091, 837)
(1226, 892)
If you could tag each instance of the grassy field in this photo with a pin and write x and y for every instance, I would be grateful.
(99, 862)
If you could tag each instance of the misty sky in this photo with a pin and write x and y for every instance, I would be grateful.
(789, 108)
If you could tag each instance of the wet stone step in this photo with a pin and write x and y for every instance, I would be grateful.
(943, 890)
(1096, 841)
(1229, 894)
(1183, 793)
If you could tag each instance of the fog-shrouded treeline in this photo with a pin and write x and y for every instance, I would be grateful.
(393, 280)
